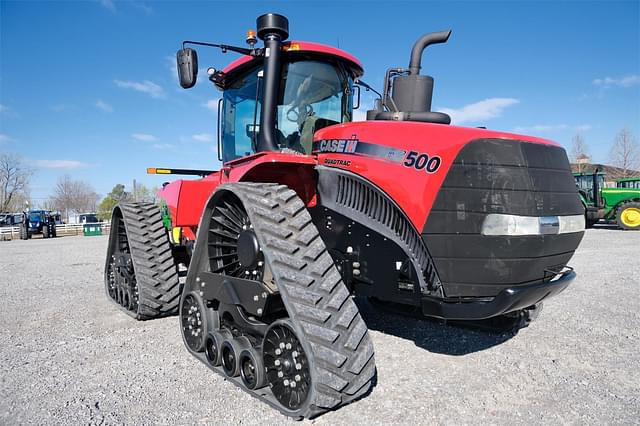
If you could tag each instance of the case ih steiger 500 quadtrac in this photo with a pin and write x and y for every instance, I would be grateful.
(310, 208)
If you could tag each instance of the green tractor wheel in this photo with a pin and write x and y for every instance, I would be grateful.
(628, 216)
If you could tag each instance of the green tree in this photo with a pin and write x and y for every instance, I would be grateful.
(117, 194)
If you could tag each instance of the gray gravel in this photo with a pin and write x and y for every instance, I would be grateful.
(68, 356)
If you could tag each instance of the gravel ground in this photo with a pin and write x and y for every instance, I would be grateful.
(68, 356)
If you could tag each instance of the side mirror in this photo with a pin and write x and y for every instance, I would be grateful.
(187, 67)
(356, 97)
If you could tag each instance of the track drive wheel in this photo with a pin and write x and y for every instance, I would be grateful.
(140, 273)
(628, 216)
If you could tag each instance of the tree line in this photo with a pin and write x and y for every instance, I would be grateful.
(623, 154)
(69, 195)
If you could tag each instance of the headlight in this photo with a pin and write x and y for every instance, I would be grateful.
(571, 223)
(508, 224)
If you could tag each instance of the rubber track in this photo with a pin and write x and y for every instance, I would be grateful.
(317, 300)
(153, 263)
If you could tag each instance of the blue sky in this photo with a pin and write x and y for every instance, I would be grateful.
(89, 88)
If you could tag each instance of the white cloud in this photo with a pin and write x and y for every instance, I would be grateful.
(61, 164)
(100, 104)
(148, 87)
(626, 81)
(5, 138)
(4, 108)
(549, 128)
(162, 146)
(144, 137)
(108, 4)
(172, 66)
(148, 10)
(583, 127)
(480, 111)
(211, 104)
(202, 137)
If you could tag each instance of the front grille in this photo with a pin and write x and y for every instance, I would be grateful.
(505, 177)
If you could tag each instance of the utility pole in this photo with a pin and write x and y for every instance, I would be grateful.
(135, 191)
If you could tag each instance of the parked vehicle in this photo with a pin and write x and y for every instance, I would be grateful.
(628, 183)
(620, 205)
(311, 207)
(10, 219)
(83, 218)
(42, 222)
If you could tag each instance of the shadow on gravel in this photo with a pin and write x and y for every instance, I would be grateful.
(431, 334)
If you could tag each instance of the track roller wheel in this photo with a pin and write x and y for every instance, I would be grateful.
(193, 321)
(213, 344)
(230, 354)
(252, 369)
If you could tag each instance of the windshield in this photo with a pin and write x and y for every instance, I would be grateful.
(35, 217)
(314, 95)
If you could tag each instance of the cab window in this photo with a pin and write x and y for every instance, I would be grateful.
(241, 116)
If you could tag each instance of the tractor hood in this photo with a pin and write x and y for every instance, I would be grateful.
(494, 210)
(418, 154)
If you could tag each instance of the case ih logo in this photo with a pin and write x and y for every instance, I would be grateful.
(338, 145)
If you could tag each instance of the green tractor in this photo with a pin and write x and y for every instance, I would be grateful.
(628, 183)
(620, 204)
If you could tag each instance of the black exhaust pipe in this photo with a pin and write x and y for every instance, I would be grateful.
(273, 29)
(422, 43)
(411, 92)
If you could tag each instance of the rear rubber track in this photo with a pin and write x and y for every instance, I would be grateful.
(155, 270)
(326, 318)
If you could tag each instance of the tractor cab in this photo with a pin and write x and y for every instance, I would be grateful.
(275, 98)
(589, 185)
(316, 91)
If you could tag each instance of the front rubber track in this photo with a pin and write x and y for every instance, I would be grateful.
(326, 319)
(155, 270)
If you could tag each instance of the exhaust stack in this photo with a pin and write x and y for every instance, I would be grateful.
(407, 94)
(414, 92)
(273, 29)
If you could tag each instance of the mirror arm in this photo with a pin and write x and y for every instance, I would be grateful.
(224, 48)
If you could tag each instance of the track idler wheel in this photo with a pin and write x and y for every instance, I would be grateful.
(230, 354)
(193, 321)
(287, 366)
(252, 369)
(213, 345)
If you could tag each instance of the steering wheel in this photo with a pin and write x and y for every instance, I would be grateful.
(293, 114)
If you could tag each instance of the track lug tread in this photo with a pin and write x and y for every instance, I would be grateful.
(317, 301)
(156, 272)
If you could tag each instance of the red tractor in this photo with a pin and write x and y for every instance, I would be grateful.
(311, 208)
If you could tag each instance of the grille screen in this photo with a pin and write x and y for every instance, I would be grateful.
(355, 195)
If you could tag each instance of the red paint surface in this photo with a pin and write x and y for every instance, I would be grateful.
(302, 46)
(413, 190)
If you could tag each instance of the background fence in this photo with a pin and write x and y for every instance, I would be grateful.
(67, 229)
